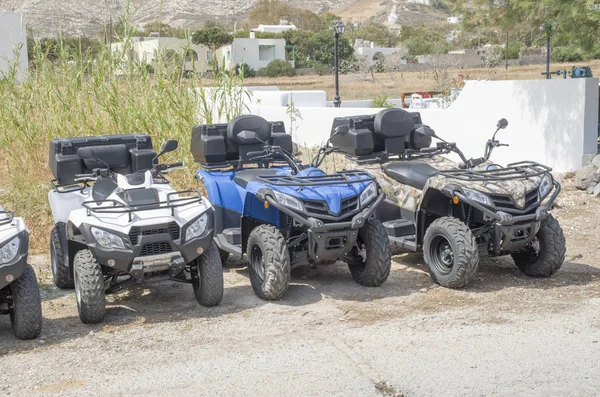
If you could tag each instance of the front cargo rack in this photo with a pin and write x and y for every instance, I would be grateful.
(520, 170)
(340, 178)
(6, 217)
(115, 207)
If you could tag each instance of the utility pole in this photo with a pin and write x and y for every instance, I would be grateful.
(160, 17)
(506, 48)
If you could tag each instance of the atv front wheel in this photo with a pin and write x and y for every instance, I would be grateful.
(270, 269)
(451, 252)
(26, 310)
(207, 281)
(546, 254)
(60, 271)
(89, 287)
(371, 260)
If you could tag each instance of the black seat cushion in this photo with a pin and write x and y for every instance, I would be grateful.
(257, 124)
(243, 178)
(393, 123)
(116, 156)
(410, 173)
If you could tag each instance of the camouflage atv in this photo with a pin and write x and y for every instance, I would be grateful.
(454, 212)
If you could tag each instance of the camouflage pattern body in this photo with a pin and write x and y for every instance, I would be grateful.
(410, 198)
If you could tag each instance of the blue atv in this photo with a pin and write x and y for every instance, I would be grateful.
(283, 214)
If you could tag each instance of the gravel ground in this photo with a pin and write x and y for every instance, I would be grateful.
(506, 334)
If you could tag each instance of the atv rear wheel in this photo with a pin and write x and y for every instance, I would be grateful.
(60, 271)
(269, 268)
(371, 260)
(26, 309)
(89, 287)
(546, 254)
(207, 280)
(450, 252)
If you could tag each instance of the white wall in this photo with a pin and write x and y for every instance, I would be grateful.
(247, 51)
(554, 122)
(13, 37)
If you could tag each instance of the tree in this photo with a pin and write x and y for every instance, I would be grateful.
(573, 22)
(213, 38)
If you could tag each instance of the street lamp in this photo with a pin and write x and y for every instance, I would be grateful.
(547, 27)
(338, 29)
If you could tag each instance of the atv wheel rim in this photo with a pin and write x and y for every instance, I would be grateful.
(53, 261)
(257, 262)
(442, 255)
(77, 288)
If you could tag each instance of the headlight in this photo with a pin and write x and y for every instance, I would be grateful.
(546, 185)
(479, 197)
(106, 239)
(368, 194)
(288, 201)
(9, 250)
(197, 228)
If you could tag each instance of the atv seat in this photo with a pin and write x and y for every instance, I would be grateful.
(410, 173)
(243, 178)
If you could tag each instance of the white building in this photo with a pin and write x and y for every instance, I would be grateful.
(367, 49)
(452, 20)
(13, 46)
(283, 26)
(147, 49)
(256, 53)
(424, 2)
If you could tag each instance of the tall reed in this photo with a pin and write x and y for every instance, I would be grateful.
(80, 95)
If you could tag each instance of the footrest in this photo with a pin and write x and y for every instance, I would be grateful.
(399, 228)
(233, 235)
(407, 243)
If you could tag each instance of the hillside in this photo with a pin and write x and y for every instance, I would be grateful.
(87, 17)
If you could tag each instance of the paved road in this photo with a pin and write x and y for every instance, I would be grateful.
(505, 335)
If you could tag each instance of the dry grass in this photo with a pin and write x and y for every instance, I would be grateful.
(392, 85)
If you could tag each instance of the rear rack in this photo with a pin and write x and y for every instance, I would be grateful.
(523, 169)
(341, 178)
(115, 207)
(9, 216)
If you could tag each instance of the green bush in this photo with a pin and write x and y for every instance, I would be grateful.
(277, 68)
(244, 70)
(514, 48)
(322, 69)
(567, 54)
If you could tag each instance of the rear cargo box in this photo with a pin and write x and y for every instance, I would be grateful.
(65, 163)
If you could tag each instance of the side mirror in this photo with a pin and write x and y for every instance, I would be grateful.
(502, 124)
(169, 146)
(87, 153)
(247, 137)
(425, 131)
(341, 129)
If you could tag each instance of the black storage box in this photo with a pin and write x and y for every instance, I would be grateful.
(359, 140)
(132, 153)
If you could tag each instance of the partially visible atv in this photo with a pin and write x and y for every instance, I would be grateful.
(19, 291)
(455, 213)
(282, 214)
(119, 221)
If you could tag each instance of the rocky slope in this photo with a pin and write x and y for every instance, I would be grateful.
(86, 17)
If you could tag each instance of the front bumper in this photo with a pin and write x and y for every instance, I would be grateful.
(16, 267)
(151, 252)
(329, 241)
(513, 233)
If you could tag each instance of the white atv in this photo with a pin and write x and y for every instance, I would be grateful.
(119, 221)
(19, 291)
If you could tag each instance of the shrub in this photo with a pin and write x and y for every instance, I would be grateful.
(322, 69)
(277, 68)
(381, 102)
(244, 70)
(567, 54)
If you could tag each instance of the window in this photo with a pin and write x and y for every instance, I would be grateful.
(229, 55)
(266, 52)
(209, 56)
